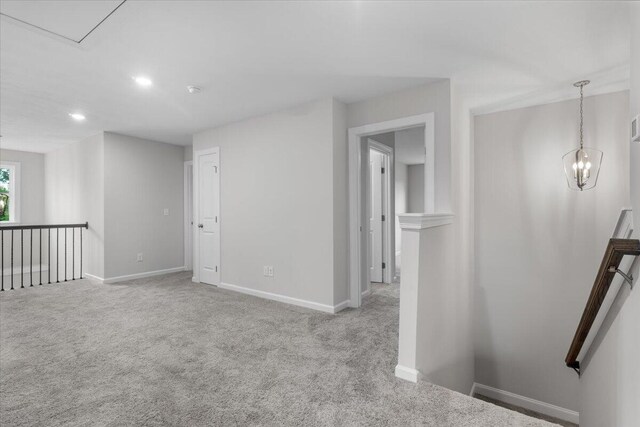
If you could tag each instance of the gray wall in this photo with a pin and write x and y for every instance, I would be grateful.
(31, 184)
(415, 186)
(281, 192)
(340, 204)
(31, 204)
(74, 193)
(610, 385)
(538, 244)
(455, 354)
(142, 178)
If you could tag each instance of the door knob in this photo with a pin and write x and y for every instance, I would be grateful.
(200, 226)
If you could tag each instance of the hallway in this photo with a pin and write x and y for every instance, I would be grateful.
(166, 351)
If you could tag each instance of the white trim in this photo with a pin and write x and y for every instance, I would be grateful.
(366, 293)
(138, 275)
(340, 306)
(408, 374)
(387, 250)
(16, 269)
(526, 402)
(416, 221)
(94, 277)
(196, 235)
(357, 281)
(624, 226)
(188, 222)
(332, 309)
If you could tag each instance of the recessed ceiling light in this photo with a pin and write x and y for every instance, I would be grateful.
(143, 81)
(77, 116)
(194, 89)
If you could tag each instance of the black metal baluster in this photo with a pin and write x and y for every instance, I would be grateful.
(2, 257)
(81, 252)
(11, 259)
(49, 255)
(40, 256)
(21, 258)
(57, 255)
(65, 254)
(31, 257)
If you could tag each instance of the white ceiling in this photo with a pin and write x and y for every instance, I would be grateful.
(254, 57)
(67, 18)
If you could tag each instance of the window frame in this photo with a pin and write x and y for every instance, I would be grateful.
(14, 191)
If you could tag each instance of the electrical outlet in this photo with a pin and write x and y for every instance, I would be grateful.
(267, 271)
(166, 211)
(140, 257)
(270, 271)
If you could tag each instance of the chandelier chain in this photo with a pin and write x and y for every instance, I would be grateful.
(581, 121)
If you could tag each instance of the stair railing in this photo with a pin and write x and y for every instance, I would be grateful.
(616, 250)
(14, 235)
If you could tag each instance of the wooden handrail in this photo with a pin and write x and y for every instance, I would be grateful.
(616, 249)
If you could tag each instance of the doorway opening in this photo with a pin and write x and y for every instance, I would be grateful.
(391, 171)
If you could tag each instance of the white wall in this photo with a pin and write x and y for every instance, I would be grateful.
(610, 384)
(74, 193)
(454, 312)
(142, 178)
(283, 201)
(415, 186)
(538, 244)
(188, 153)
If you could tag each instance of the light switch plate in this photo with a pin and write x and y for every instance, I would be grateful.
(166, 211)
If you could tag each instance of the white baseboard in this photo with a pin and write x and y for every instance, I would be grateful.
(283, 298)
(408, 374)
(340, 306)
(366, 293)
(526, 402)
(36, 268)
(142, 275)
(94, 277)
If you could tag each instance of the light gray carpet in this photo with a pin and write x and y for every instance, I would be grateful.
(165, 351)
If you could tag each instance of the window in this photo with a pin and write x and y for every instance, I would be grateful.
(9, 193)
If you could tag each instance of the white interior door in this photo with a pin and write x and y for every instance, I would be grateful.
(376, 162)
(208, 212)
(188, 215)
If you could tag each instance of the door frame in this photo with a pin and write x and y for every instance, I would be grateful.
(188, 222)
(386, 207)
(358, 270)
(196, 199)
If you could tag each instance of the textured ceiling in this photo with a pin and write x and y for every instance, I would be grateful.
(254, 57)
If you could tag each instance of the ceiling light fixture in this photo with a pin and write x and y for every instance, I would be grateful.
(77, 116)
(581, 166)
(194, 89)
(143, 81)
